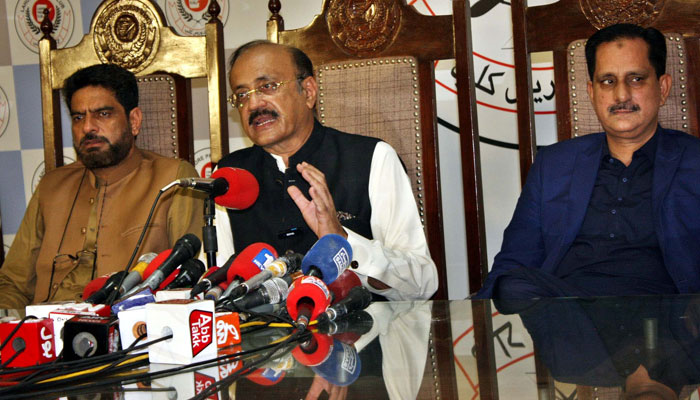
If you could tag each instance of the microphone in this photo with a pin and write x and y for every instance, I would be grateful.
(185, 248)
(340, 288)
(276, 268)
(308, 297)
(94, 285)
(342, 367)
(137, 273)
(190, 271)
(271, 292)
(110, 285)
(232, 188)
(358, 299)
(251, 261)
(327, 258)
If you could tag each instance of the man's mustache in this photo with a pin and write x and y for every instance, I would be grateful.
(626, 106)
(257, 113)
(92, 136)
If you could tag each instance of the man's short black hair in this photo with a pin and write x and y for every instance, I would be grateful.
(112, 77)
(653, 38)
(301, 60)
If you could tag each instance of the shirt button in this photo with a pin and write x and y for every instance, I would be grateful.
(613, 212)
(624, 180)
(619, 199)
(55, 285)
(612, 235)
(92, 200)
(83, 230)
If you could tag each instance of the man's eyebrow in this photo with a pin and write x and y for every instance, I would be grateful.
(264, 78)
(105, 108)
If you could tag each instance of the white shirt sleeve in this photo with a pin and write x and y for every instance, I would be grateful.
(398, 254)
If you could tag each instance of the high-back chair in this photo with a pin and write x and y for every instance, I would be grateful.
(133, 34)
(374, 62)
(563, 28)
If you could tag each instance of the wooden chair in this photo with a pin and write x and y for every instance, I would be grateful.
(164, 64)
(563, 28)
(375, 67)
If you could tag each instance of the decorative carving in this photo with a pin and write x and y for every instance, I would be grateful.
(126, 34)
(602, 13)
(363, 27)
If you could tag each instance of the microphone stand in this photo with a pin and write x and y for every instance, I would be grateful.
(211, 246)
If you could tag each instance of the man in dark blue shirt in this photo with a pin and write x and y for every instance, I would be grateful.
(616, 212)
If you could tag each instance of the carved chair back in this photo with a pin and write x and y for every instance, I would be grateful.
(134, 35)
(563, 27)
(375, 67)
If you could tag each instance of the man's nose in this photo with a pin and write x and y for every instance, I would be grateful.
(89, 125)
(255, 99)
(622, 92)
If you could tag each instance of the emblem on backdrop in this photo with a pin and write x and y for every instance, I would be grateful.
(188, 17)
(28, 16)
(41, 170)
(4, 112)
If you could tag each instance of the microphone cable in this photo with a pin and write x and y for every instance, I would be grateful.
(113, 296)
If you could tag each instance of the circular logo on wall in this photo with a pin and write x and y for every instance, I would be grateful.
(28, 16)
(202, 162)
(187, 17)
(40, 171)
(4, 112)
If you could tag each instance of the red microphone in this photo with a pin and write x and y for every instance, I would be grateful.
(314, 351)
(343, 284)
(94, 285)
(152, 267)
(249, 263)
(232, 188)
(31, 343)
(242, 191)
(308, 297)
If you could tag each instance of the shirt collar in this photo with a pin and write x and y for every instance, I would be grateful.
(647, 150)
(110, 175)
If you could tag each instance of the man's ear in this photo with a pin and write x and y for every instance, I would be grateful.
(135, 117)
(665, 85)
(309, 87)
(589, 89)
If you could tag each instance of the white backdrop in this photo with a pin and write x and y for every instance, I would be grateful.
(20, 126)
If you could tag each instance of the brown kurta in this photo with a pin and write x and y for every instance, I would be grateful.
(108, 214)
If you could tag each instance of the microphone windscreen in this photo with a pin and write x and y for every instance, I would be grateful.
(308, 289)
(342, 367)
(314, 351)
(331, 255)
(342, 286)
(242, 191)
(251, 261)
(94, 285)
(153, 265)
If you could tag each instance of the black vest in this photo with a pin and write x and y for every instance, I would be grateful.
(345, 159)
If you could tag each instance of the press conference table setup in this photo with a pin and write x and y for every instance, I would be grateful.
(537, 349)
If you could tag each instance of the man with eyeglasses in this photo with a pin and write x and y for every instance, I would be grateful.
(315, 180)
(84, 218)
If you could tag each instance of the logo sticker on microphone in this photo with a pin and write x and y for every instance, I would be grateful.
(263, 258)
(201, 330)
(341, 260)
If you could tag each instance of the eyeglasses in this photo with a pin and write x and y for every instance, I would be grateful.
(63, 261)
(238, 100)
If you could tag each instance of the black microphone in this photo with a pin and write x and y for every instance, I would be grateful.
(107, 289)
(185, 248)
(271, 292)
(213, 278)
(358, 299)
(190, 271)
(215, 187)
